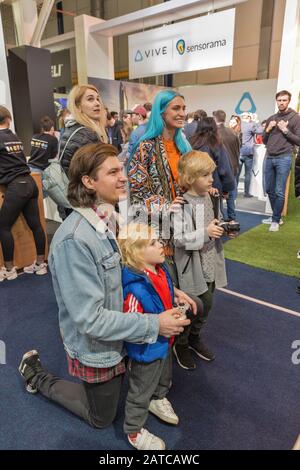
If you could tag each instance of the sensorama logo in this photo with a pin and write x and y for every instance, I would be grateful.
(180, 46)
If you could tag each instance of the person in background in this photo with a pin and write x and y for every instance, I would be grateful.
(147, 287)
(115, 115)
(21, 196)
(88, 118)
(282, 134)
(207, 139)
(44, 146)
(64, 114)
(85, 263)
(114, 132)
(85, 125)
(148, 108)
(249, 129)
(127, 117)
(139, 119)
(258, 137)
(126, 131)
(190, 128)
(231, 142)
(235, 125)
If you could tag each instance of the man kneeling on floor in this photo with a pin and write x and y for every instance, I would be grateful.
(85, 265)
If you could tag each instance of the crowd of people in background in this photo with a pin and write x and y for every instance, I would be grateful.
(121, 288)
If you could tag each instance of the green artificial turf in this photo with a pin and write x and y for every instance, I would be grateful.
(273, 251)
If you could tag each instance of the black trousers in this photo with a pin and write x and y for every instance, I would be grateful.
(96, 403)
(20, 196)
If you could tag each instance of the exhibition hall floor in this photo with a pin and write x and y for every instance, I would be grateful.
(248, 398)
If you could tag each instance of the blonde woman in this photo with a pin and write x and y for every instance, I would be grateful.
(86, 125)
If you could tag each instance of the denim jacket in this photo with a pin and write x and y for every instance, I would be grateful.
(86, 274)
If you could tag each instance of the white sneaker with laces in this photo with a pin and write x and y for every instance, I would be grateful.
(146, 441)
(164, 410)
(9, 275)
(35, 268)
(268, 221)
(274, 227)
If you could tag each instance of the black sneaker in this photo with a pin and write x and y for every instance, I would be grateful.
(201, 350)
(298, 289)
(184, 357)
(29, 367)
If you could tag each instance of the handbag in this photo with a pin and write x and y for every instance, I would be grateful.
(55, 180)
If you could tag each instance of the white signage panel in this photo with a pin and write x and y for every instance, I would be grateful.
(201, 43)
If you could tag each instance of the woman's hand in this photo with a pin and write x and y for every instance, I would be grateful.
(214, 192)
(182, 297)
(176, 204)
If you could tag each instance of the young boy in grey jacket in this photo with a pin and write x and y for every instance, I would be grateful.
(198, 252)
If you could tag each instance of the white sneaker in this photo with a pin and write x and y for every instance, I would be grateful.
(164, 410)
(9, 275)
(274, 227)
(38, 269)
(146, 441)
(269, 221)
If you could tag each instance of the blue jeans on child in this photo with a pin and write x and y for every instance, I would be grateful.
(277, 170)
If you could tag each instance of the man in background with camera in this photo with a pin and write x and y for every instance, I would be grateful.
(282, 133)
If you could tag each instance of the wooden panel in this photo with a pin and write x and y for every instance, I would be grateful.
(25, 252)
(286, 201)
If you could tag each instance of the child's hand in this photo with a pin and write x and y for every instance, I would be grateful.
(213, 230)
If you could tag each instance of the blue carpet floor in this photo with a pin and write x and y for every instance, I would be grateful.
(248, 398)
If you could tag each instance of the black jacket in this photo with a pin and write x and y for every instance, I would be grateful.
(82, 137)
(12, 158)
(278, 143)
(115, 136)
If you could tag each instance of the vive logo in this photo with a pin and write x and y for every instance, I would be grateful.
(180, 46)
(138, 56)
(246, 104)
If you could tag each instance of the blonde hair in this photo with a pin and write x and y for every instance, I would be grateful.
(133, 238)
(192, 165)
(74, 100)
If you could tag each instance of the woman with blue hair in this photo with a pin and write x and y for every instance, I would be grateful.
(152, 167)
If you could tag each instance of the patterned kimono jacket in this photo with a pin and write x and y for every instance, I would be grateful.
(150, 178)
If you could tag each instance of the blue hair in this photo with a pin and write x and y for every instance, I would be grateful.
(156, 123)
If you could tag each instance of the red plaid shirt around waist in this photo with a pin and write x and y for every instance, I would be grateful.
(94, 374)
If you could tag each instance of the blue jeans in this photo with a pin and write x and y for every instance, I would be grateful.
(276, 174)
(231, 214)
(247, 160)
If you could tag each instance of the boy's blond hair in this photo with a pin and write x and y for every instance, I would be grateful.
(133, 238)
(192, 165)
